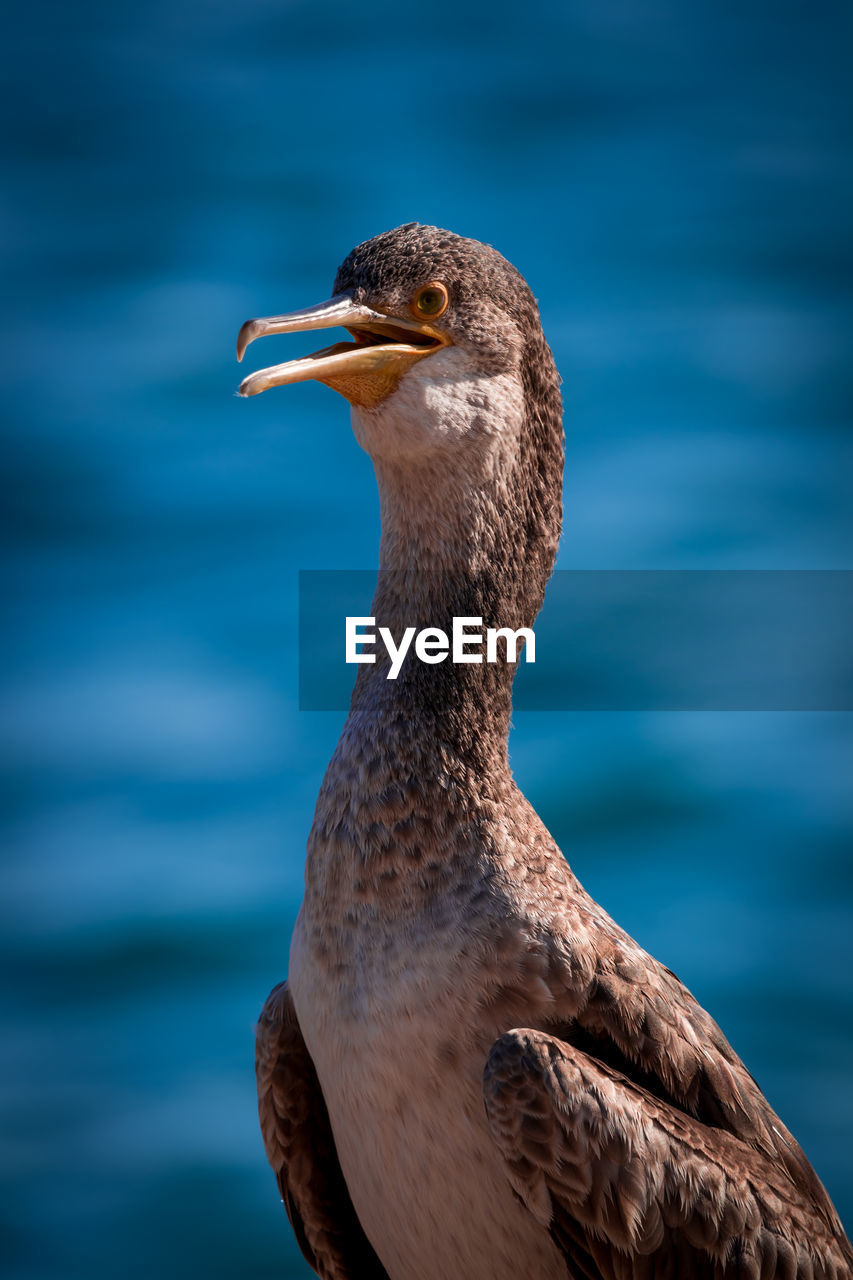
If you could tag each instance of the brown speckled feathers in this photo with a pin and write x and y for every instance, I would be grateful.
(475, 1072)
(632, 1187)
(301, 1149)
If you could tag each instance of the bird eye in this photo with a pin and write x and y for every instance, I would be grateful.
(431, 300)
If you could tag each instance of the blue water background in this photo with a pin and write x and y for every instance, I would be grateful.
(675, 182)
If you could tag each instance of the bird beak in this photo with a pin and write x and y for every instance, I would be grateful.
(365, 370)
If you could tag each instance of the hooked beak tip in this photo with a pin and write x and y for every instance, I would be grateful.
(246, 335)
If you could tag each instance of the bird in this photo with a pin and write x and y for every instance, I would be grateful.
(472, 1071)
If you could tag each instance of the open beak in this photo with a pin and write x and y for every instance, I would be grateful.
(365, 370)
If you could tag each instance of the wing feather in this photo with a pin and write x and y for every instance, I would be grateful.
(301, 1149)
(631, 1013)
(632, 1188)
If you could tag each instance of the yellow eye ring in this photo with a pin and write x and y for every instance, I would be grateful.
(430, 301)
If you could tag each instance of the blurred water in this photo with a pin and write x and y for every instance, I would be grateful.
(675, 182)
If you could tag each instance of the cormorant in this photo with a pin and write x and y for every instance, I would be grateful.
(472, 1071)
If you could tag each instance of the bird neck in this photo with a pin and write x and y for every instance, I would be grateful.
(473, 535)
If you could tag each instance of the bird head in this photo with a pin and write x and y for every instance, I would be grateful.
(455, 397)
(434, 319)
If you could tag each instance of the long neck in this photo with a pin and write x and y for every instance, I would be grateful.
(470, 534)
(420, 781)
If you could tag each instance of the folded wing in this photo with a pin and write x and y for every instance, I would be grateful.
(301, 1149)
(633, 1187)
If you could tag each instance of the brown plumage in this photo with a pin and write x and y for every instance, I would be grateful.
(475, 1072)
(300, 1147)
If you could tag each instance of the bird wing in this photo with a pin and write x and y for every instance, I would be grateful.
(634, 1015)
(301, 1149)
(632, 1188)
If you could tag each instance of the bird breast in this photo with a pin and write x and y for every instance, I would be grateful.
(399, 1042)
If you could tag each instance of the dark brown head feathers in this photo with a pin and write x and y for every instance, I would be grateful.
(411, 255)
